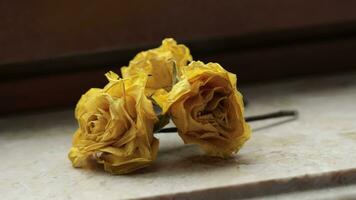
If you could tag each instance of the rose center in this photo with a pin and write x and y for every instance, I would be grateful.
(97, 122)
(214, 108)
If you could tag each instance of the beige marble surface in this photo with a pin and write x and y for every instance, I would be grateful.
(315, 151)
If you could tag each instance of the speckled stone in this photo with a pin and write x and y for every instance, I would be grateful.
(315, 151)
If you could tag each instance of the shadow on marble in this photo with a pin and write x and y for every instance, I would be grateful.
(176, 161)
(186, 160)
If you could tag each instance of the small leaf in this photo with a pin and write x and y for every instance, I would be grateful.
(163, 120)
(175, 74)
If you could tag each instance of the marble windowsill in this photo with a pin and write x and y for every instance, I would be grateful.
(315, 151)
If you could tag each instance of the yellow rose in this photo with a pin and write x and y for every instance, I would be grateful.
(207, 109)
(115, 126)
(159, 64)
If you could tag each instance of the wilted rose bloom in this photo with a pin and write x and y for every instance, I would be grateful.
(115, 126)
(159, 64)
(207, 109)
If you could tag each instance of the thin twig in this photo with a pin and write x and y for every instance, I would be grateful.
(168, 130)
(282, 113)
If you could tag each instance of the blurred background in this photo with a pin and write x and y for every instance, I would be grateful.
(53, 51)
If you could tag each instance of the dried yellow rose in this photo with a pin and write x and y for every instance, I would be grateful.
(115, 126)
(159, 64)
(207, 109)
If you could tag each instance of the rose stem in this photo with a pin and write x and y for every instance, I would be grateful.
(281, 113)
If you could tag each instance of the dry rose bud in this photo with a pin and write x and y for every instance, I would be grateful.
(115, 126)
(207, 109)
(159, 64)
